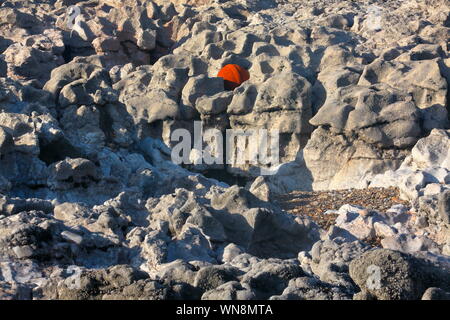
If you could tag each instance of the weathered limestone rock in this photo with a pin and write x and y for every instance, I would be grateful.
(401, 276)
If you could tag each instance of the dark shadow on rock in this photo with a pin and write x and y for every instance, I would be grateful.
(57, 151)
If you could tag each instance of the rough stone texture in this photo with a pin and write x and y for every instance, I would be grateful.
(402, 276)
(369, 127)
(435, 294)
(116, 283)
(232, 290)
(444, 206)
(330, 259)
(427, 164)
(92, 207)
(210, 278)
(270, 277)
(305, 288)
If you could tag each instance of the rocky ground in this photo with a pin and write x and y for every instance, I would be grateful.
(323, 206)
(92, 207)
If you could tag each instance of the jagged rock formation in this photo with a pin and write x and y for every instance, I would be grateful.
(92, 207)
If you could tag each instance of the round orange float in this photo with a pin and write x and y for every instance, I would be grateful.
(233, 76)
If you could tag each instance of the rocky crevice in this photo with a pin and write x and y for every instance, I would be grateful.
(91, 207)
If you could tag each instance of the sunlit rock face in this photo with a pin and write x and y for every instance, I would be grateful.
(96, 95)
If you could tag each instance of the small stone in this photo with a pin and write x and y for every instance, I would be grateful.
(432, 188)
(446, 249)
(260, 189)
(105, 44)
(70, 236)
(230, 252)
(436, 294)
(383, 230)
(421, 222)
(444, 206)
(364, 212)
(147, 39)
(3, 67)
(23, 251)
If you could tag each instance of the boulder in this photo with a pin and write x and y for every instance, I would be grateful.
(210, 278)
(426, 165)
(435, 294)
(265, 232)
(421, 78)
(231, 290)
(392, 275)
(271, 277)
(306, 288)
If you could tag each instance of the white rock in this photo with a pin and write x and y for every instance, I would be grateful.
(260, 189)
(23, 251)
(77, 239)
(432, 151)
(383, 230)
(347, 213)
(230, 252)
(432, 188)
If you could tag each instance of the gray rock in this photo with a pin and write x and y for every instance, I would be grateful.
(209, 225)
(444, 206)
(244, 262)
(23, 251)
(79, 73)
(184, 208)
(197, 87)
(265, 232)
(305, 288)
(244, 98)
(232, 290)
(427, 164)
(270, 277)
(336, 232)
(191, 245)
(330, 260)
(11, 206)
(29, 63)
(178, 271)
(411, 76)
(209, 278)
(260, 189)
(435, 294)
(85, 171)
(281, 235)
(347, 171)
(155, 105)
(391, 275)
(409, 243)
(215, 104)
(3, 66)
(70, 236)
(431, 151)
(14, 291)
(147, 39)
(72, 172)
(115, 283)
(230, 252)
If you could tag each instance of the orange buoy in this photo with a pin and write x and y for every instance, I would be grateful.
(233, 76)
